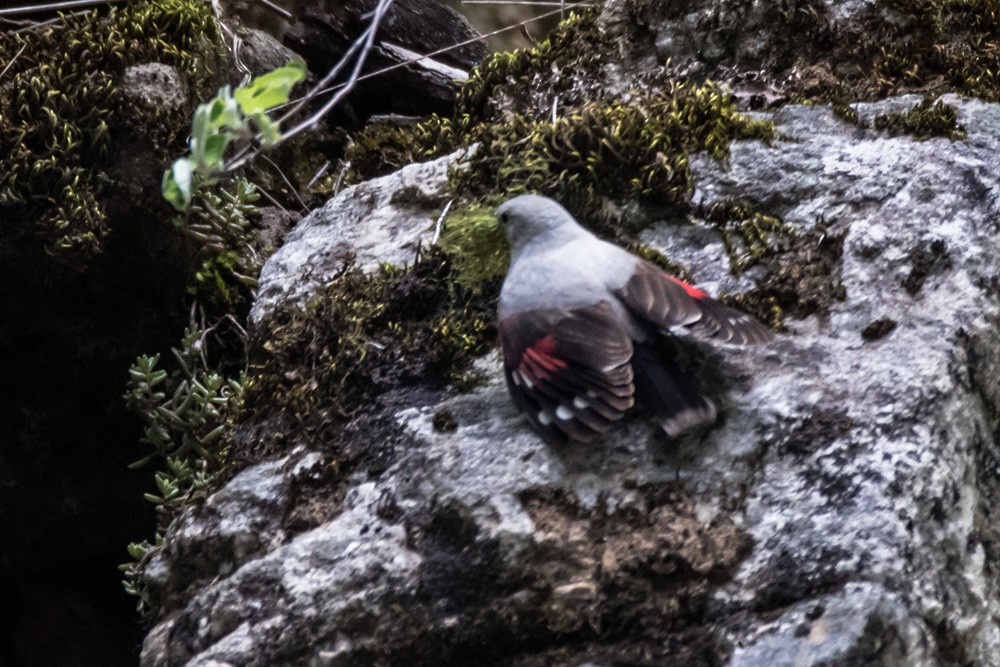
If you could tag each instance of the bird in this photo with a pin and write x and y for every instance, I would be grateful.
(585, 329)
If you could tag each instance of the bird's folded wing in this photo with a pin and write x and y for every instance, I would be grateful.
(660, 299)
(569, 371)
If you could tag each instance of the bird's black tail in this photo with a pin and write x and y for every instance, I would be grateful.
(667, 393)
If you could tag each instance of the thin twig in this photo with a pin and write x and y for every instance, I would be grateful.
(277, 9)
(363, 43)
(287, 182)
(273, 200)
(379, 13)
(340, 177)
(11, 63)
(55, 6)
(322, 170)
(247, 153)
(437, 227)
(445, 49)
(32, 25)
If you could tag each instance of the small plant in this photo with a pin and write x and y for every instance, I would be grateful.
(187, 411)
(221, 221)
(230, 115)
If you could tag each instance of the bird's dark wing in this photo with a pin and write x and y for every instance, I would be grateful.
(569, 371)
(664, 301)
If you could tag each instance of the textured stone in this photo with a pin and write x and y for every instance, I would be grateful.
(839, 513)
(382, 220)
(154, 86)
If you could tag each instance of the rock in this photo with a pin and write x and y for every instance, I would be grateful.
(840, 512)
(382, 220)
(154, 86)
(862, 625)
(260, 53)
(410, 29)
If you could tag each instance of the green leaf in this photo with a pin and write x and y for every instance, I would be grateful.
(213, 150)
(271, 89)
(223, 111)
(268, 129)
(177, 184)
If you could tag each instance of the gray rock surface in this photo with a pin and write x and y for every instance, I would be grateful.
(154, 86)
(382, 220)
(840, 513)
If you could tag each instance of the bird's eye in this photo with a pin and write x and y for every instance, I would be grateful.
(504, 217)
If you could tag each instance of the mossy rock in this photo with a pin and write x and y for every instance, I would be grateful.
(364, 334)
(928, 119)
(815, 51)
(61, 105)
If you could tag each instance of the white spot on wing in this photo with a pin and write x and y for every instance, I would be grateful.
(564, 413)
(544, 418)
(580, 403)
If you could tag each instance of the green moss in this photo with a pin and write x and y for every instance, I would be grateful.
(749, 236)
(897, 46)
(619, 150)
(444, 421)
(362, 335)
(599, 152)
(59, 102)
(471, 236)
(565, 64)
(927, 119)
(661, 260)
(800, 281)
(848, 114)
(596, 150)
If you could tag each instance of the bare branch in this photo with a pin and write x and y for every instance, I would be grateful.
(55, 6)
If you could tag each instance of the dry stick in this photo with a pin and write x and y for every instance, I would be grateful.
(23, 47)
(380, 10)
(343, 88)
(247, 153)
(55, 6)
(288, 183)
(322, 170)
(445, 49)
(440, 220)
(277, 9)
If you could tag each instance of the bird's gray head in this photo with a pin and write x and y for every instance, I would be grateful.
(529, 217)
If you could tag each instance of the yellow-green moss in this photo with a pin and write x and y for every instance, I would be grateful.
(362, 335)
(896, 46)
(616, 150)
(925, 120)
(59, 102)
(749, 235)
(594, 154)
(802, 280)
(656, 257)
(471, 236)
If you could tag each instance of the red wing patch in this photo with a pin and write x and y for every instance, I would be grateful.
(568, 371)
(691, 290)
(664, 301)
(539, 361)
